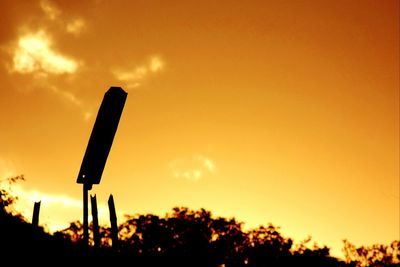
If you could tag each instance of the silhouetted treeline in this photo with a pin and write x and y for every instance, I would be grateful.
(194, 238)
(22, 243)
(183, 237)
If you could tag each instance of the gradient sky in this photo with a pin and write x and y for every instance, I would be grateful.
(269, 111)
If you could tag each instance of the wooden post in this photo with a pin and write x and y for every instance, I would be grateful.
(113, 220)
(96, 234)
(35, 217)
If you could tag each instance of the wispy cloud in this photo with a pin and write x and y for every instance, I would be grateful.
(156, 64)
(34, 53)
(68, 96)
(192, 169)
(49, 9)
(52, 12)
(75, 26)
(207, 163)
(133, 77)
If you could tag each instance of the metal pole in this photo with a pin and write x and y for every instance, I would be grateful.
(85, 215)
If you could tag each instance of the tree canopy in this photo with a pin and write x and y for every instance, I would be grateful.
(183, 237)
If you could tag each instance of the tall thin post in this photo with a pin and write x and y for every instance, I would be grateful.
(35, 217)
(113, 220)
(85, 215)
(96, 234)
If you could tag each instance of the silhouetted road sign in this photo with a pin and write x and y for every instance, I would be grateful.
(102, 136)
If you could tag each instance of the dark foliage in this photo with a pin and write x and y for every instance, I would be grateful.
(181, 238)
(376, 255)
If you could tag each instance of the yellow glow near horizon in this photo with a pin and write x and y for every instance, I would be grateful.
(54, 204)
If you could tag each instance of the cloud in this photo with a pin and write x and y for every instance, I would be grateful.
(53, 13)
(34, 53)
(68, 96)
(31, 38)
(133, 77)
(192, 169)
(156, 64)
(50, 10)
(75, 26)
(207, 163)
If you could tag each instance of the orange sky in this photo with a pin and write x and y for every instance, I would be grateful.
(270, 111)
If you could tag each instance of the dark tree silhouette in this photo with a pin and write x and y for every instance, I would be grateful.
(6, 199)
(183, 237)
(376, 255)
(186, 237)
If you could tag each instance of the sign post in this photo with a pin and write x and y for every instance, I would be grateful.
(99, 146)
(85, 215)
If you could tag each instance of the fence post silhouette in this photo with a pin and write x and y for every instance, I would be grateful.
(35, 217)
(113, 220)
(96, 234)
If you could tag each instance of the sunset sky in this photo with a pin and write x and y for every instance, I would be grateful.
(282, 112)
